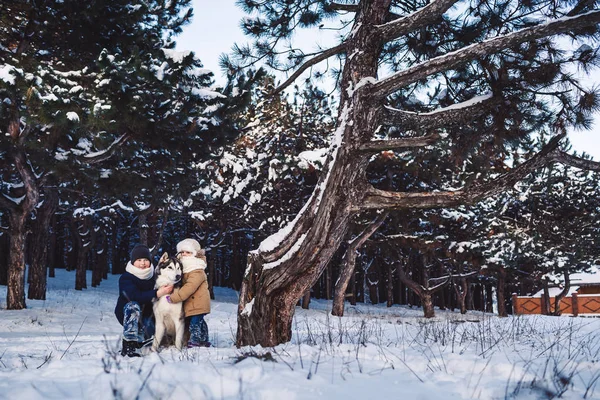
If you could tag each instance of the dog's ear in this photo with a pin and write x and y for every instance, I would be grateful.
(164, 258)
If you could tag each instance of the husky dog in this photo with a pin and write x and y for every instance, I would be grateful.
(169, 316)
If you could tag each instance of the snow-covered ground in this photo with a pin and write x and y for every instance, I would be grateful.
(67, 347)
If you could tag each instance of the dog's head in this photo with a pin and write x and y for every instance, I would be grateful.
(168, 271)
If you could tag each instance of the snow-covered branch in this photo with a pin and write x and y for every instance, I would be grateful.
(392, 144)
(456, 114)
(453, 59)
(426, 15)
(375, 198)
(99, 156)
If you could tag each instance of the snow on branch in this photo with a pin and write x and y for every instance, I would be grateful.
(426, 15)
(99, 156)
(392, 144)
(453, 59)
(456, 114)
(375, 198)
(88, 211)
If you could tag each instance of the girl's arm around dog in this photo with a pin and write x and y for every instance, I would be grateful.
(192, 283)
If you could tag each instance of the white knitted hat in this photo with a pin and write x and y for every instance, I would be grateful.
(190, 245)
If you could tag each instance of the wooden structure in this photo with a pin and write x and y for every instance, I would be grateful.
(575, 304)
(584, 297)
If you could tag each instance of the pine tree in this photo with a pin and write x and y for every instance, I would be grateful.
(79, 90)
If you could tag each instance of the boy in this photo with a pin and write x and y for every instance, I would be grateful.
(134, 306)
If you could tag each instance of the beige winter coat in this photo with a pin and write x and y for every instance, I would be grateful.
(193, 293)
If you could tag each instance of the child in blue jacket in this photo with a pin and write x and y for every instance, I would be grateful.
(134, 306)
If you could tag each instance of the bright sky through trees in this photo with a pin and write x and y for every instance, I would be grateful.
(215, 28)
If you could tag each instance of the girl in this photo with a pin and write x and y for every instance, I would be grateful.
(194, 291)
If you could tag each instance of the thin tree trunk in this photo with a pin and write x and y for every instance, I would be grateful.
(500, 288)
(349, 263)
(562, 294)
(52, 241)
(545, 298)
(424, 294)
(39, 246)
(4, 252)
(18, 215)
(390, 285)
(15, 295)
(82, 234)
(306, 300)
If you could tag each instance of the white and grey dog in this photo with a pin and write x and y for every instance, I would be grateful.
(169, 317)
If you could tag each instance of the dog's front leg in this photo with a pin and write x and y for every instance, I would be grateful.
(158, 334)
(179, 331)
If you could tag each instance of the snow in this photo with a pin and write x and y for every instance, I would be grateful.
(66, 347)
(6, 73)
(72, 116)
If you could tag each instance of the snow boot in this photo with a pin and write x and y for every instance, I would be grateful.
(130, 349)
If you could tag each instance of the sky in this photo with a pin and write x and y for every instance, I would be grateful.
(215, 28)
(67, 347)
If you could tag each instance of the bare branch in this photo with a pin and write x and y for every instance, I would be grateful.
(425, 16)
(457, 114)
(315, 60)
(391, 144)
(448, 61)
(343, 7)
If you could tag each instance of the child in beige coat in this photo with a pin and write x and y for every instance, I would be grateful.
(194, 292)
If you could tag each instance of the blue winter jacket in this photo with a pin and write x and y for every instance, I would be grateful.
(132, 288)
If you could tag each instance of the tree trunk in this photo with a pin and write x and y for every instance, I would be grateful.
(427, 302)
(18, 215)
(390, 285)
(461, 294)
(81, 233)
(425, 294)
(15, 295)
(562, 294)
(353, 289)
(52, 242)
(290, 262)
(545, 298)
(501, 272)
(39, 246)
(4, 253)
(306, 300)
(349, 262)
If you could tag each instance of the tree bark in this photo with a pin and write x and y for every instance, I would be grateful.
(18, 216)
(545, 298)
(461, 294)
(15, 295)
(81, 232)
(557, 311)
(39, 246)
(349, 263)
(424, 293)
(52, 241)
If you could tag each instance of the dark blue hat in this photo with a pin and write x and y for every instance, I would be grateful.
(140, 251)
